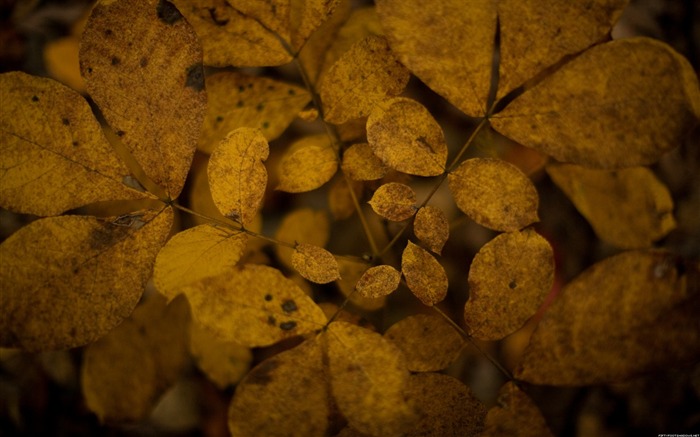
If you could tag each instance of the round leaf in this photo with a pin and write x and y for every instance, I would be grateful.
(424, 275)
(394, 201)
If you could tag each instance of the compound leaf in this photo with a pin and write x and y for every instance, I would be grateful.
(315, 263)
(378, 281)
(424, 275)
(431, 227)
(394, 201)
(515, 414)
(307, 164)
(361, 164)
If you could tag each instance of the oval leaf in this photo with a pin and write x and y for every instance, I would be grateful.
(515, 414)
(351, 272)
(425, 276)
(301, 226)
(431, 228)
(378, 281)
(308, 164)
(315, 263)
(361, 164)
(394, 201)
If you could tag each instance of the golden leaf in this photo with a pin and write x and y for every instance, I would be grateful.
(637, 110)
(307, 164)
(378, 281)
(403, 134)
(351, 272)
(368, 73)
(224, 363)
(340, 199)
(254, 306)
(611, 321)
(115, 69)
(515, 414)
(53, 155)
(508, 281)
(315, 263)
(286, 395)
(361, 164)
(301, 226)
(424, 275)
(431, 227)
(195, 254)
(62, 61)
(368, 380)
(394, 201)
(448, 45)
(427, 341)
(84, 275)
(237, 100)
(629, 208)
(494, 193)
(237, 175)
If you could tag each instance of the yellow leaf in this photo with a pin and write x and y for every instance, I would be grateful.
(224, 363)
(428, 342)
(611, 321)
(286, 395)
(62, 62)
(368, 73)
(424, 275)
(254, 306)
(151, 91)
(515, 414)
(638, 110)
(508, 281)
(301, 226)
(394, 201)
(403, 134)
(237, 175)
(629, 208)
(195, 254)
(378, 281)
(351, 272)
(340, 199)
(84, 275)
(315, 263)
(307, 164)
(361, 164)
(446, 407)
(494, 193)
(369, 378)
(448, 45)
(431, 228)
(237, 100)
(53, 155)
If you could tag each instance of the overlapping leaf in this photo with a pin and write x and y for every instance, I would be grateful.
(361, 164)
(424, 275)
(515, 414)
(431, 227)
(351, 272)
(394, 201)
(307, 164)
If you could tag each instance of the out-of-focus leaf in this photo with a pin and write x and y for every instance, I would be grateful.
(53, 155)
(394, 201)
(340, 198)
(237, 175)
(69, 280)
(378, 281)
(361, 164)
(151, 91)
(307, 164)
(424, 275)
(494, 193)
(515, 414)
(629, 208)
(301, 226)
(224, 363)
(237, 100)
(629, 314)
(315, 263)
(431, 227)
(369, 378)
(600, 112)
(428, 342)
(351, 272)
(62, 62)
(508, 281)
(403, 134)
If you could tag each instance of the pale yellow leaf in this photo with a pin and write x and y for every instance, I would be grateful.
(515, 414)
(424, 275)
(394, 201)
(431, 227)
(307, 164)
(301, 226)
(361, 164)
(378, 281)
(224, 363)
(315, 263)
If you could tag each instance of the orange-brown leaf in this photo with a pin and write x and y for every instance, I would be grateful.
(394, 201)
(315, 263)
(307, 164)
(378, 281)
(431, 227)
(424, 275)
(361, 164)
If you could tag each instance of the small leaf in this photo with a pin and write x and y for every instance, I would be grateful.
(100, 269)
(378, 281)
(224, 363)
(425, 276)
(158, 118)
(494, 193)
(403, 134)
(508, 281)
(301, 226)
(307, 164)
(351, 272)
(394, 201)
(629, 208)
(365, 75)
(428, 342)
(237, 175)
(286, 395)
(315, 263)
(431, 227)
(361, 164)
(515, 414)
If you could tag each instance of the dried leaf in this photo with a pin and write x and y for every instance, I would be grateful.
(637, 110)
(431, 227)
(494, 193)
(394, 201)
(62, 61)
(403, 134)
(361, 164)
(237, 100)
(115, 68)
(629, 208)
(315, 263)
(515, 414)
(424, 275)
(448, 45)
(195, 254)
(378, 281)
(368, 73)
(237, 175)
(307, 164)
(225, 363)
(53, 155)
(301, 226)
(368, 380)
(508, 281)
(612, 320)
(82, 274)
(351, 272)
(340, 199)
(428, 342)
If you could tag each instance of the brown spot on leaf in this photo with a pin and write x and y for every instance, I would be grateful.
(288, 326)
(268, 297)
(35, 99)
(195, 77)
(143, 62)
(106, 236)
(115, 60)
(167, 12)
(120, 133)
(271, 321)
(216, 19)
(262, 375)
(65, 121)
(512, 284)
(289, 306)
(108, 32)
